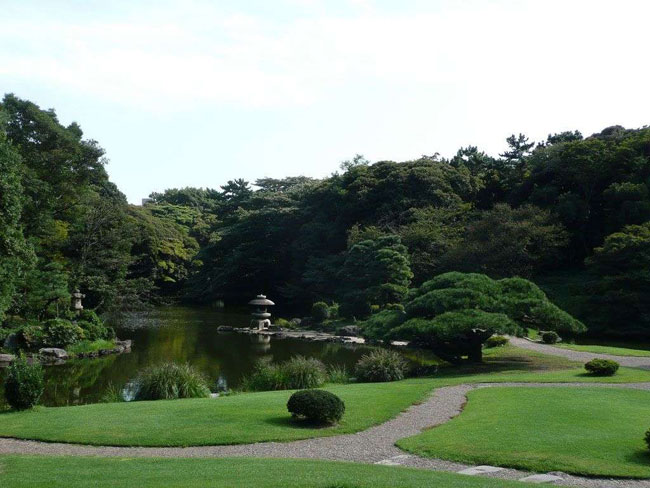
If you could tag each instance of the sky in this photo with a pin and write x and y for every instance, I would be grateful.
(197, 92)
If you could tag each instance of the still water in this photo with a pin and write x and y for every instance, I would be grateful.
(182, 334)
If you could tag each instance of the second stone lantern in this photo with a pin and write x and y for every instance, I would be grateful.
(261, 317)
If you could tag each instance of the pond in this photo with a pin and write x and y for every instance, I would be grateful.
(183, 334)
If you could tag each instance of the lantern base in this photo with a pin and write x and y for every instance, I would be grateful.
(260, 324)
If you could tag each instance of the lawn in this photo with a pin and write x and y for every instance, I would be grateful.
(71, 472)
(259, 417)
(589, 431)
(615, 351)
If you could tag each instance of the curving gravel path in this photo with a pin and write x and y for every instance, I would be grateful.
(375, 445)
(582, 356)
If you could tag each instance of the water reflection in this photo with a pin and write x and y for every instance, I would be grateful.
(183, 334)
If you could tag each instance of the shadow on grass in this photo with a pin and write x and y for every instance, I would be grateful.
(291, 422)
(640, 457)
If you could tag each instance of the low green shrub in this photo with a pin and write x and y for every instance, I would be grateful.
(284, 323)
(31, 336)
(94, 327)
(296, 373)
(317, 406)
(113, 394)
(602, 367)
(61, 333)
(90, 346)
(170, 381)
(333, 310)
(381, 365)
(496, 341)
(301, 373)
(550, 337)
(320, 312)
(24, 384)
(647, 438)
(338, 374)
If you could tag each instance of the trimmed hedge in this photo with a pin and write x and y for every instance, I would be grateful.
(550, 337)
(602, 367)
(317, 406)
(496, 341)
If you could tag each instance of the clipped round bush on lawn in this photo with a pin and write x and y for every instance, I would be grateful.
(496, 341)
(381, 365)
(24, 384)
(550, 337)
(320, 312)
(317, 406)
(602, 367)
(169, 381)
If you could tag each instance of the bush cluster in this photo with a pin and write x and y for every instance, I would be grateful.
(381, 365)
(320, 312)
(317, 406)
(550, 337)
(61, 333)
(24, 384)
(296, 373)
(170, 381)
(602, 367)
(496, 341)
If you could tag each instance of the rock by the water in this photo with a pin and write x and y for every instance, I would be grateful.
(125, 344)
(541, 478)
(224, 328)
(53, 353)
(349, 330)
(6, 358)
(296, 321)
(11, 341)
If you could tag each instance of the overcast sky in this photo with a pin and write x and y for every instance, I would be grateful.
(194, 93)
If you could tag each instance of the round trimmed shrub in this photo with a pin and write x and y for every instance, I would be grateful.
(496, 341)
(169, 381)
(24, 384)
(550, 337)
(381, 365)
(320, 312)
(602, 367)
(317, 406)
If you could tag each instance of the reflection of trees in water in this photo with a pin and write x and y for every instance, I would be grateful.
(65, 384)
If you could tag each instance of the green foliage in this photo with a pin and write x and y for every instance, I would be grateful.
(496, 341)
(297, 372)
(112, 394)
(338, 374)
(320, 312)
(169, 381)
(381, 365)
(318, 406)
(374, 272)
(453, 314)
(550, 337)
(61, 333)
(23, 384)
(602, 367)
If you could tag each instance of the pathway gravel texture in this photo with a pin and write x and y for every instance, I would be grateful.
(582, 356)
(375, 445)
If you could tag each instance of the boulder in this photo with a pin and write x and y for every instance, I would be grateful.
(11, 341)
(296, 321)
(6, 358)
(125, 345)
(53, 353)
(349, 330)
(224, 328)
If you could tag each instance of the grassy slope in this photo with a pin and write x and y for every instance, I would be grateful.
(257, 417)
(68, 472)
(616, 351)
(578, 430)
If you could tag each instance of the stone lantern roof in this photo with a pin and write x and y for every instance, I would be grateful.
(261, 301)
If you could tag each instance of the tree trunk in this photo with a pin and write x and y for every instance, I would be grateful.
(476, 352)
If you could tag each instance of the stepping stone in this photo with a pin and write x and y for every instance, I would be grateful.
(480, 470)
(394, 461)
(541, 478)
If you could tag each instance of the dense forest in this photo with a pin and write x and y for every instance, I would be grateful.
(571, 213)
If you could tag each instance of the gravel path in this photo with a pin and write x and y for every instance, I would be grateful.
(375, 445)
(582, 356)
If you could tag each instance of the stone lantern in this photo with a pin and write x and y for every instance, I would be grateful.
(261, 318)
(76, 301)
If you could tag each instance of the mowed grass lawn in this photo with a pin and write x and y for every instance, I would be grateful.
(243, 418)
(259, 417)
(589, 431)
(615, 351)
(71, 472)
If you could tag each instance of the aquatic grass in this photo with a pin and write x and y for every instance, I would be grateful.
(168, 381)
(112, 394)
(297, 373)
(90, 346)
(338, 374)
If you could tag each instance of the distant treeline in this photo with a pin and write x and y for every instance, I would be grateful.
(571, 213)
